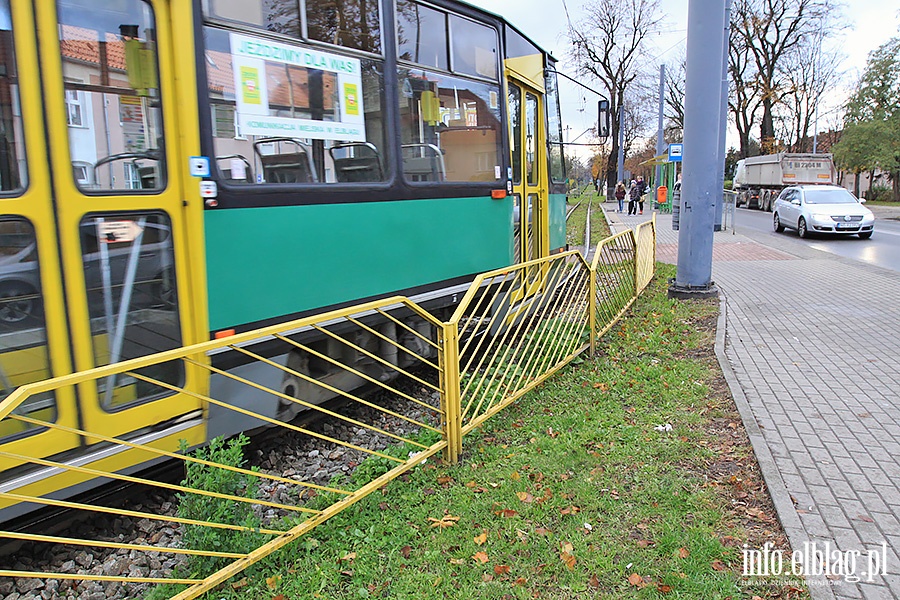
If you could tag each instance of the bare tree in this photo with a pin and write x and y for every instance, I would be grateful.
(766, 32)
(743, 99)
(610, 44)
(674, 98)
(810, 73)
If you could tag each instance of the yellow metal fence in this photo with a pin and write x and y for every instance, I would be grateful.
(434, 380)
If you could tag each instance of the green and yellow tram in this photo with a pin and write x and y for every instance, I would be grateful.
(178, 170)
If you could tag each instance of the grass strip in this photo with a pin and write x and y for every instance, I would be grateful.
(626, 475)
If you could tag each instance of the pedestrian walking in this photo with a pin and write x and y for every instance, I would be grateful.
(642, 189)
(632, 198)
(620, 195)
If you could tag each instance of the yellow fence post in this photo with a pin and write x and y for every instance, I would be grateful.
(450, 396)
(637, 252)
(592, 302)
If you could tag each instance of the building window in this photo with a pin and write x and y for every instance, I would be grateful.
(132, 177)
(74, 115)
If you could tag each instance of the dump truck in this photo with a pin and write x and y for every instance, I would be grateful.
(759, 179)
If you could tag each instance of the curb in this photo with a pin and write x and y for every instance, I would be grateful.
(819, 587)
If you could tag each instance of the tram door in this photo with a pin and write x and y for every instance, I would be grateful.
(528, 174)
(102, 234)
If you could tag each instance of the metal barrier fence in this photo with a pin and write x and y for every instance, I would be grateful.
(438, 380)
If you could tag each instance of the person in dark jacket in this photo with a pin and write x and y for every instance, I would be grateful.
(620, 195)
(642, 189)
(633, 198)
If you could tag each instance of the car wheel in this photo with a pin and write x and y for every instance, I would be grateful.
(776, 224)
(19, 304)
(865, 235)
(801, 228)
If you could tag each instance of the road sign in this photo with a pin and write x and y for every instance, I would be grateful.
(675, 152)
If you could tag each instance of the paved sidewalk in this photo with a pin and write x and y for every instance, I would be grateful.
(813, 340)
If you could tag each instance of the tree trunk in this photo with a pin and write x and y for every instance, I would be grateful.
(895, 178)
(612, 163)
(767, 128)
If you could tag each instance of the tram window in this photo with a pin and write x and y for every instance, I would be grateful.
(277, 120)
(531, 133)
(422, 35)
(23, 340)
(473, 48)
(352, 24)
(112, 96)
(517, 45)
(450, 128)
(12, 155)
(279, 16)
(554, 129)
(129, 272)
(515, 131)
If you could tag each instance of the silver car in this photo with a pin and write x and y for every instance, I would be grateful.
(822, 209)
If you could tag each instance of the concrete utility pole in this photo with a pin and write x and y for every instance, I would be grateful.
(703, 89)
(723, 117)
(660, 139)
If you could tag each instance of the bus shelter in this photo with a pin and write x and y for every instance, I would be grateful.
(665, 186)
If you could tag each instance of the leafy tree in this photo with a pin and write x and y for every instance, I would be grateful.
(871, 138)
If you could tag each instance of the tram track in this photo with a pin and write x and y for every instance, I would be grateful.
(285, 453)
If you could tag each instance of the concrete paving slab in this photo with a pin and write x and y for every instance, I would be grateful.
(810, 350)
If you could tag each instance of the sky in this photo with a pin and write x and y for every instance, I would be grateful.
(870, 24)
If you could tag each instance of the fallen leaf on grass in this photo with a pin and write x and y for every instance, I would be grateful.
(347, 557)
(240, 583)
(457, 561)
(663, 588)
(683, 552)
(501, 569)
(542, 531)
(515, 476)
(718, 565)
(405, 551)
(444, 481)
(481, 539)
(636, 580)
(506, 513)
(644, 543)
(481, 557)
(594, 581)
(525, 497)
(272, 582)
(445, 521)
(567, 555)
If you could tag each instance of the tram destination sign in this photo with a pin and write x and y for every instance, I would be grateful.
(252, 58)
